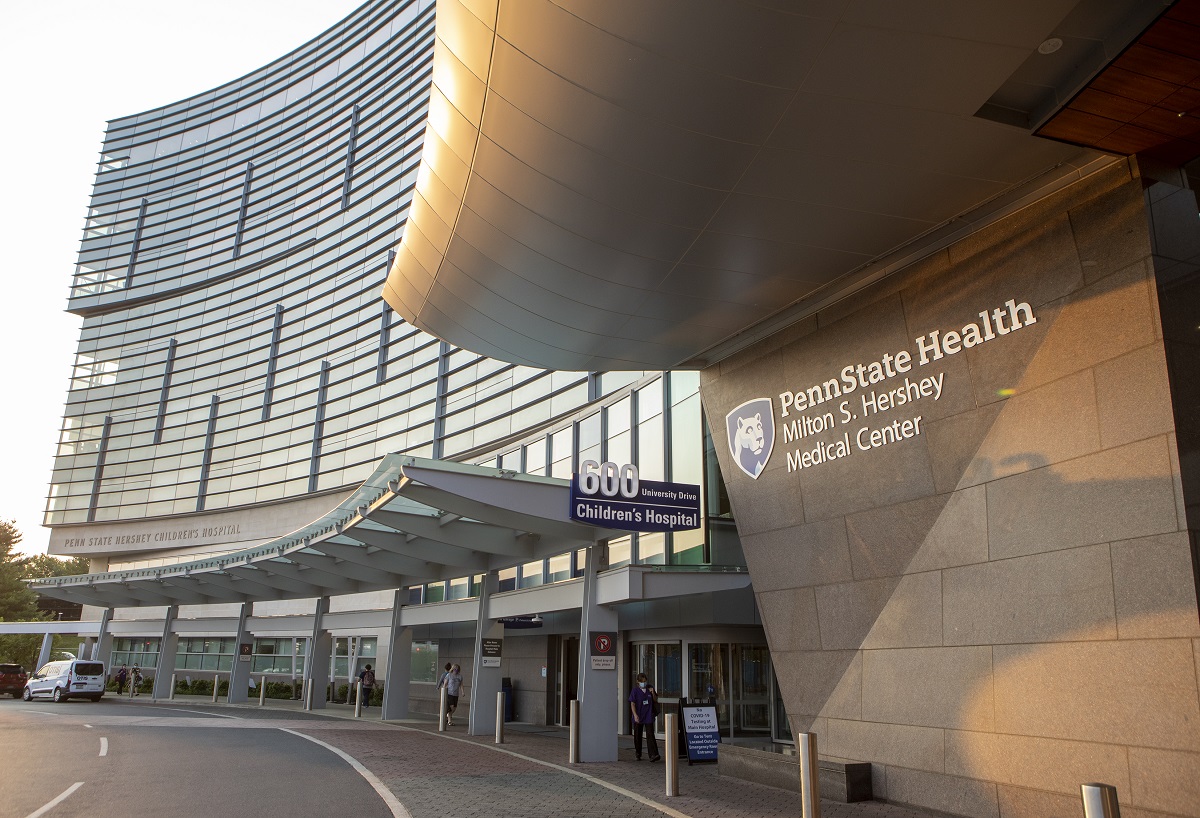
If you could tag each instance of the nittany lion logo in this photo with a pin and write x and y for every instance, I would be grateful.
(751, 428)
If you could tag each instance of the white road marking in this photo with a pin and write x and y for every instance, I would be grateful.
(390, 799)
(103, 746)
(201, 712)
(88, 726)
(663, 808)
(56, 801)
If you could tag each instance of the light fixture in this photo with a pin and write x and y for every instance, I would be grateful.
(536, 618)
(1050, 46)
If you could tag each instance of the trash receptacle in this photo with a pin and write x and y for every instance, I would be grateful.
(510, 699)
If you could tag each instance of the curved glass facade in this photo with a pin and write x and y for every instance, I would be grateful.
(235, 350)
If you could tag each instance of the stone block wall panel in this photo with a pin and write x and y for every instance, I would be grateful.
(997, 602)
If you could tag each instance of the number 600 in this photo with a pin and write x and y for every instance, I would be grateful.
(608, 478)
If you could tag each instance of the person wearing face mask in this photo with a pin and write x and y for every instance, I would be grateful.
(641, 704)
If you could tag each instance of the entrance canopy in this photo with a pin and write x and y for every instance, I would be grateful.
(413, 521)
(643, 186)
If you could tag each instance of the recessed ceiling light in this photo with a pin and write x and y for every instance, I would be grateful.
(1050, 46)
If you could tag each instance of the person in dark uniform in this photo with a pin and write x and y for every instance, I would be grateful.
(641, 704)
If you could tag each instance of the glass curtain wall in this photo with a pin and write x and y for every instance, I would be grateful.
(140, 651)
(205, 653)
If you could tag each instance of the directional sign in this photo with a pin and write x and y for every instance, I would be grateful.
(489, 652)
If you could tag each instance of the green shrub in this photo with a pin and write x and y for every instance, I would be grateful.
(281, 690)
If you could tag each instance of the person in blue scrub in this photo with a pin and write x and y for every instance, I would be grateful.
(641, 704)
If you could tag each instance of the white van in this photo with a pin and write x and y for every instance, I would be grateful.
(79, 678)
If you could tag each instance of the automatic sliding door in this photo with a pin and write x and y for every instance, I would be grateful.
(709, 679)
(751, 690)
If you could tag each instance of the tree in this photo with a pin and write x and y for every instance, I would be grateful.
(17, 602)
(40, 566)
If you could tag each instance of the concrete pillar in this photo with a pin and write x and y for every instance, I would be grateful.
(485, 681)
(396, 677)
(102, 648)
(164, 671)
(597, 689)
(239, 675)
(47, 647)
(316, 661)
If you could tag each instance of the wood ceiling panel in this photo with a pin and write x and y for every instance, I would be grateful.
(1148, 100)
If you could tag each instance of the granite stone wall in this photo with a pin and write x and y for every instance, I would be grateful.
(986, 589)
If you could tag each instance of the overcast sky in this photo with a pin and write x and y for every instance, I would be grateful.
(67, 67)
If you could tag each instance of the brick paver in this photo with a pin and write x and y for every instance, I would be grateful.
(434, 773)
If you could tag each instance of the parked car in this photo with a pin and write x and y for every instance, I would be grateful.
(12, 679)
(74, 678)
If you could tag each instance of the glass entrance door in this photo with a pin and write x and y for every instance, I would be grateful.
(751, 690)
(566, 678)
(708, 679)
(662, 662)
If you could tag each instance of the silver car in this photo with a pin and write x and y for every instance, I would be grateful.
(78, 678)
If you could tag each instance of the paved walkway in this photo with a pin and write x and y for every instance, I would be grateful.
(433, 774)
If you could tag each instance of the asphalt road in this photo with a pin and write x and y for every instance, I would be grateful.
(134, 759)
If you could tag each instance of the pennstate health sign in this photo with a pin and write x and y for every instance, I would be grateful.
(613, 496)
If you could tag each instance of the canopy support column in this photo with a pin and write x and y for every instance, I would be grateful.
(239, 674)
(47, 649)
(167, 647)
(396, 680)
(316, 662)
(102, 647)
(485, 681)
(597, 689)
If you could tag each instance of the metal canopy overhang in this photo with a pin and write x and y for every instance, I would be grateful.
(657, 185)
(413, 521)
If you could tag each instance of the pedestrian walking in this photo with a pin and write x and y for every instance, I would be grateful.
(454, 682)
(643, 701)
(367, 677)
(122, 679)
(136, 685)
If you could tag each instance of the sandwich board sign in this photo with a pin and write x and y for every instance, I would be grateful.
(701, 731)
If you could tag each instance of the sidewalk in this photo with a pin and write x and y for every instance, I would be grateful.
(434, 773)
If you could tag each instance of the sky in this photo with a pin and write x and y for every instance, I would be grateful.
(67, 67)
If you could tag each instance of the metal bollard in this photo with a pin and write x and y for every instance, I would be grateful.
(216, 686)
(500, 717)
(810, 784)
(171, 695)
(262, 691)
(672, 753)
(442, 709)
(358, 699)
(1100, 801)
(573, 750)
